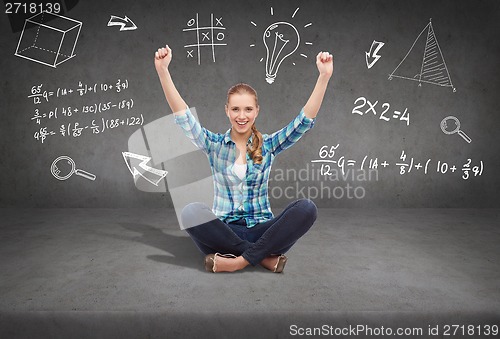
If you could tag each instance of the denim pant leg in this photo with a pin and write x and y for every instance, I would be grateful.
(209, 233)
(277, 236)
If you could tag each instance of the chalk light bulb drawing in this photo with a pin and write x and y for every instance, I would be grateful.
(281, 40)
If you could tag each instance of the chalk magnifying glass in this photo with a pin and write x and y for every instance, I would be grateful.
(64, 167)
(451, 125)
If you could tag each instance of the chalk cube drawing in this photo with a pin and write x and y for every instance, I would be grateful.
(48, 39)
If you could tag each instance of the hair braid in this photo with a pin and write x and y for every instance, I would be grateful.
(255, 149)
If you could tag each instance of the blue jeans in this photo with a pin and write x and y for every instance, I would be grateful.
(275, 236)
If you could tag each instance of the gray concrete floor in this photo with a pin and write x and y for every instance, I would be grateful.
(59, 266)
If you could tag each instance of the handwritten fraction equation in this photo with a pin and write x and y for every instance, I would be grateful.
(58, 118)
(38, 93)
(405, 164)
(385, 114)
(95, 108)
(97, 126)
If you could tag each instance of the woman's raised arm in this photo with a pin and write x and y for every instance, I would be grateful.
(162, 60)
(324, 61)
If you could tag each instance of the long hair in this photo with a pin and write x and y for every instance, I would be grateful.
(255, 149)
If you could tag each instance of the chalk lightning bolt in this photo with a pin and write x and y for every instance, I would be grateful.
(373, 53)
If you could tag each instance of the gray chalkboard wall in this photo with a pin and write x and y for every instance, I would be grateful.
(438, 59)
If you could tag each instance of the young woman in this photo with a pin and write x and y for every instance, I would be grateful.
(240, 223)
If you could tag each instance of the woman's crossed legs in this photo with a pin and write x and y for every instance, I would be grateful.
(258, 244)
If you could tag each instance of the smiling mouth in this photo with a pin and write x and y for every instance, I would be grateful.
(241, 123)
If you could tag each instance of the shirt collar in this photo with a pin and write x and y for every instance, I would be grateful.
(227, 137)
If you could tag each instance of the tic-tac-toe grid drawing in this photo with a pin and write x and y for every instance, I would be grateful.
(205, 36)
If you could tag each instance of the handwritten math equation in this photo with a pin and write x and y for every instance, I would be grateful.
(405, 165)
(93, 108)
(364, 106)
(97, 126)
(38, 93)
(93, 111)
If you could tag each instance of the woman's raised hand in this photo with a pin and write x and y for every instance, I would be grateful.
(324, 61)
(163, 56)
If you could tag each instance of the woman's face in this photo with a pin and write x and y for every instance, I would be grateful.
(242, 111)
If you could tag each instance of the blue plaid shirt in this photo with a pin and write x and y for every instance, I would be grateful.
(248, 198)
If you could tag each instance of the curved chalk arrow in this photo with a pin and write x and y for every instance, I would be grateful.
(160, 173)
(125, 23)
(373, 53)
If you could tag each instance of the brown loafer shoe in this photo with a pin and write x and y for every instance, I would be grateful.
(211, 260)
(280, 265)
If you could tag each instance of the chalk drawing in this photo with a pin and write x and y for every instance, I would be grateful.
(92, 113)
(61, 171)
(332, 163)
(281, 39)
(375, 47)
(155, 174)
(125, 23)
(384, 115)
(48, 39)
(451, 125)
(430, 68)
(205, 36)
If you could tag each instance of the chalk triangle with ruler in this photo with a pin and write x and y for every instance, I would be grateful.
(424, 61)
